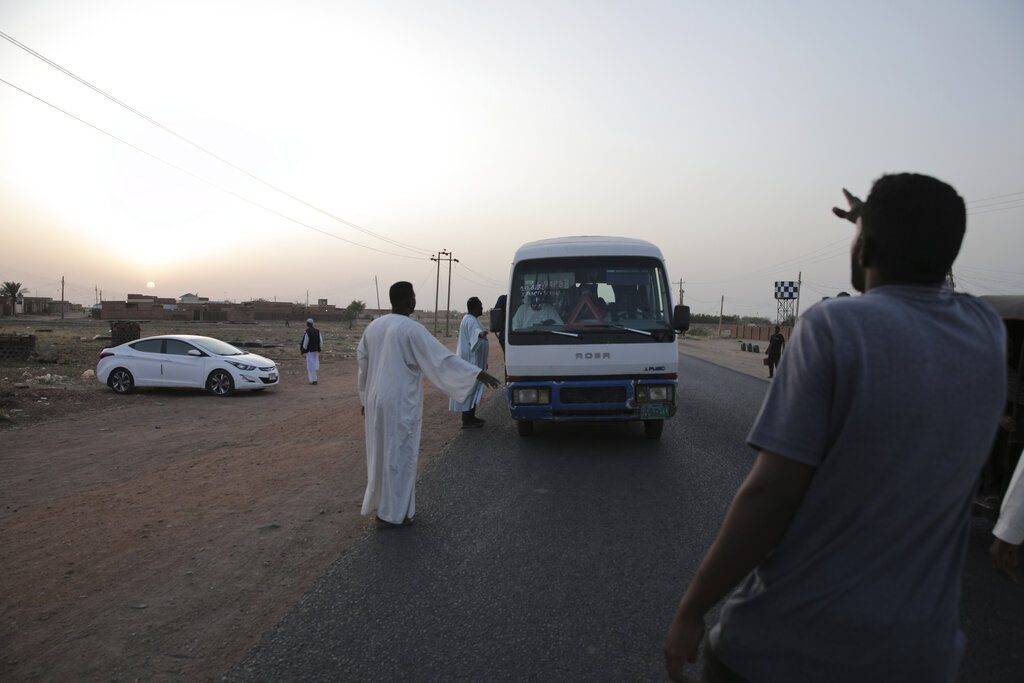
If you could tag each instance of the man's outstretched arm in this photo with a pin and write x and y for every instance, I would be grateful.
(757, 520)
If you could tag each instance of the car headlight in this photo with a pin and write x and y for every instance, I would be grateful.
(534, 395)
(242, 366)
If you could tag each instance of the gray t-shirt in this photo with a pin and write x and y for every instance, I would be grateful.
(894, 398)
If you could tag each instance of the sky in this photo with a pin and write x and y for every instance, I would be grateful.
(347, 142)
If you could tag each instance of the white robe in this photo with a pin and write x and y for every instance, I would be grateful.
(1010, 527)
(472, 349)
(526, 316)
(394, 354)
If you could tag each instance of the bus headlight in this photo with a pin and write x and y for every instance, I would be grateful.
(531, 395)
(655, 392)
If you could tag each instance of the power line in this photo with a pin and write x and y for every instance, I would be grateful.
(831, 251)
(998, 196)
(209, 182)
(494, 282)
(26, 48)
(1005, 208)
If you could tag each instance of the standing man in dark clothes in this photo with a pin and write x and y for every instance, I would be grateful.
(774, 351)
(312, 343)
(846, 542)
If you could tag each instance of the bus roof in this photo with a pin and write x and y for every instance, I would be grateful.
(587, 245)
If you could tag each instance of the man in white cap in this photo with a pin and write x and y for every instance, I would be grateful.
(312, 343)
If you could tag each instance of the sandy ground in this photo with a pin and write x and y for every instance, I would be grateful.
(156, 536)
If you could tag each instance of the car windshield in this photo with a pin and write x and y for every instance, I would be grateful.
(217, 347)
(610, 294)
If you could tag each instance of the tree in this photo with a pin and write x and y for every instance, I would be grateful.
(353, 310)
(11, 291)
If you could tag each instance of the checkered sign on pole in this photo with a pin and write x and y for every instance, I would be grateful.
(786, 289)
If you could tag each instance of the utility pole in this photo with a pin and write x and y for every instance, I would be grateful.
(448, 306)
(437, 284)
(681, 291)
(443, 255)
(377, 287)
(721, 310)
(61, 297)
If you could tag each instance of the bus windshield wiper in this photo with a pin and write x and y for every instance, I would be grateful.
(564, 334)
(632, 329)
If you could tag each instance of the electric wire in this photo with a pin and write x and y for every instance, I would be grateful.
(209, 182)
(219, 158)
(494, 282)
(1004, 208)
(791, 262)
(998, 196)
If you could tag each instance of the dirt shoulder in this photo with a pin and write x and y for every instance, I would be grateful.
(158, 535)
(727, 353)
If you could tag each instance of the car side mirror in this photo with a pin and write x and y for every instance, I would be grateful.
(681, 318)
(497, 320)
(195, 352)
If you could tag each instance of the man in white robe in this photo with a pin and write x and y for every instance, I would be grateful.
(535, 312)
(474, 348)
(394, 355)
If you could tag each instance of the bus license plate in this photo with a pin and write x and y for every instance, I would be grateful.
(653, 411)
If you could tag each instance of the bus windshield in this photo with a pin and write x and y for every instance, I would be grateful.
(621, 295)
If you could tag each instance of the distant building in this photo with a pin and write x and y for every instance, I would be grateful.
(193, 299)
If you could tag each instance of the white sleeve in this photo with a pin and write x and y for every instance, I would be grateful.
(444, 369)
(362, 361)
(474, 330)
(1010, 527)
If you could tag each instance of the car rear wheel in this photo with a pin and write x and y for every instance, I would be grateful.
(525, 427)
(121, 381)
(219, 383)
(653, 428)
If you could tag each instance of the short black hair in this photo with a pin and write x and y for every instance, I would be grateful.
(473, 301)
(917, 224)
(400, 293)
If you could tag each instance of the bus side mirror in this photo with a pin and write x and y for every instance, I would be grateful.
(681, 318)
(497, 320)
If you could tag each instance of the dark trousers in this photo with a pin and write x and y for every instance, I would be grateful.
(717, 672)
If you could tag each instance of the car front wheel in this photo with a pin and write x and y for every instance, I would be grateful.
(219, 383)
(121, 381)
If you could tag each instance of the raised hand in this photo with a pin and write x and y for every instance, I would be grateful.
(853, 213)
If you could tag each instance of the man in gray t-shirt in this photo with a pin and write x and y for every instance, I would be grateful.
(847, 538)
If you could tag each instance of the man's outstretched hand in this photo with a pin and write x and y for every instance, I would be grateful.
(488, 380)
(853, 213)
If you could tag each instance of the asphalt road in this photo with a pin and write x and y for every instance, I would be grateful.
(561, 557)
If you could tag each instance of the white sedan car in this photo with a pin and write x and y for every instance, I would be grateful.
(184, 360)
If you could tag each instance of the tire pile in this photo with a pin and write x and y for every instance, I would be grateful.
(122, 331)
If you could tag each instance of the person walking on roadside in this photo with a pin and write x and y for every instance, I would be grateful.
(473, 348)
(312, 344)
(774, 351)
(394, 354)
(848, 537)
